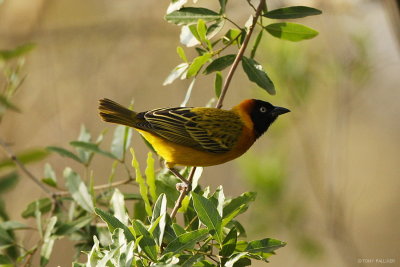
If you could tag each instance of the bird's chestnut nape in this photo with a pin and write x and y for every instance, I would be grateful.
(263, 114)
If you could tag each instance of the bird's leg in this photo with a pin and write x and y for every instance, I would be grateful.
(185, 185)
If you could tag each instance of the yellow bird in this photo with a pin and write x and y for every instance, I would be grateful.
(197, 136)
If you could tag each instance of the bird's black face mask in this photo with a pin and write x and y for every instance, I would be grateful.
(263, 115)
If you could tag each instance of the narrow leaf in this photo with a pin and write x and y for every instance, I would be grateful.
(186, 241)
(142, 184)
(92, 148)
(264, 245)
(8, 182)
(190, 15)
(181, 53)
(113, 223)
(256, 43)
(49, 176)
(26, 157)
(256, 73)
(208, 215)
(147, 243)
(229, 243)
(78, 190)
(202, 30)
(160, 210)
(17, 52)
(118, 204)
(43, 204)
(7, 104)
(220, 63)
(150, 176)
(121, 141)
(218, 84)
(64, 153)
(176, 73)
(291, 31)
(196, 65)
(293, 12)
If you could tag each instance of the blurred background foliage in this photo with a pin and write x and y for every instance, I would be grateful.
(326, 177)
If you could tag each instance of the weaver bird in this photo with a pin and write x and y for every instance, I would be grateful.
(197, 136)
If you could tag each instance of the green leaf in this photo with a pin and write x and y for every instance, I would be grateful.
(229, 243)
(64, 153)
(220, 63)
(222, 3)
(176, 73)
(233, 36)
(147, 243)
(43, 204)
(84, 136)
(218, 84)
(92, 148)
(229, 217)
(256, 43)
(48, 242)
(208, 215)
(291, 31)
(215, 28)
(256, 73)
(5, 237)
(64, 229)
(78, 190)
(121, 141)
(113, 223)
(13, 225)
(202, 30)
(293, 12)
(234, 259)
(190, 260)
(142, 184)
(196, 65)
(7, 104)
(178, 230)
(118, 205)
(219, 199)
(190, 15)
(25, 157)
(160, 210)
(5, 261)
(17, 52)
(8, 182)
(49, 176)
(181, 53)
(235, 203)
(186, 241)
(150, 176)
(264, 245)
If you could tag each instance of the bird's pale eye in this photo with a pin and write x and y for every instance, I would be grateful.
(263, 109)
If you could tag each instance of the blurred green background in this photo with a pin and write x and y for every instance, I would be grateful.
(326, 175)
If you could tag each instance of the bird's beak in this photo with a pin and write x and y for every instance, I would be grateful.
(279, 111)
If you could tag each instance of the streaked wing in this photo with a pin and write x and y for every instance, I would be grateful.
(208, 129)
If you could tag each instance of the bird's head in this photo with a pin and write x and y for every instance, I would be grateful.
(263, 114)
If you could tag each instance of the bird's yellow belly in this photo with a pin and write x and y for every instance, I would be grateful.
(175, 154)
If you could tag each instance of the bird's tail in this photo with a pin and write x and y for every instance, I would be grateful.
(111, 111)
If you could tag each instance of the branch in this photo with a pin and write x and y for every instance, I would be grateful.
(99, 187)
(17, 162)
(184, 192)
(232, 70)
(240, 54)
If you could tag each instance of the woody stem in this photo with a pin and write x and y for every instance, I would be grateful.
(232, 70)
(239, 56)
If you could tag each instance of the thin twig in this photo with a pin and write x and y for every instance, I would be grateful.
(231, 21)
(14, 158)
(99, 187)
(240, 54)
(184, 192)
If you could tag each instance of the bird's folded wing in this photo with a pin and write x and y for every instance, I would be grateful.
(207, 129)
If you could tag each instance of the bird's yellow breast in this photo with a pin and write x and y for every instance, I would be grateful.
(175, 154)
